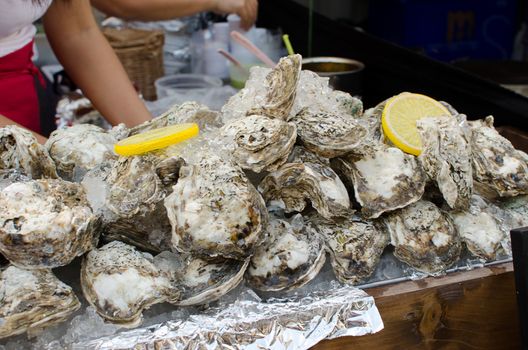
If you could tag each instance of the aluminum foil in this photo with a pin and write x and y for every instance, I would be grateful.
(297, 322)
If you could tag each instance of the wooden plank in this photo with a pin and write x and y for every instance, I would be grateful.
(474, 309)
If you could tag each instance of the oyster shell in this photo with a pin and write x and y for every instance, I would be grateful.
(480, 229)
(8, 177)
(446, 158)
(120, 282)
(295, 183)
(259, 143)
(79, 148)
(423, 237)
(300, 154)
(384, 180)
(517, 209)
(355, 246)
(497, 165)
(201, 281)
(292, 257)
(215, 211)
(20, 150)
(32, 300)
(329, 134)
(46, 223)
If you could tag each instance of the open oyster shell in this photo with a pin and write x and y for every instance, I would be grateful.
(329, 134)
(32, 300)
(291, 258)
(19, 149)
(480, 229)
(215, 211)
(446, 158)
(384, 179)
(79, 148)
(355, 246)
(295, 183)
(120, 282)
(497, 165)
(423, 237)
(259, 143)
(46, 223)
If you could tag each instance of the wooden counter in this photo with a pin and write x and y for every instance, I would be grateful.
(474, 309)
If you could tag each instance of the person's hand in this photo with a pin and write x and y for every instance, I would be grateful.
(246, 9)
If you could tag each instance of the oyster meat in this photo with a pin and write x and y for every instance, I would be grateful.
(32, 300)
(215, 211)
(20, 150)
(355, 246)
(329, 134)
(446, 158)
(423, 237)
(384, 180)
(295, 183)
(79, 148)
(292, 257)
(497, 166)
(120, 282)
(480, 229)
(46, 223)
(259, 143)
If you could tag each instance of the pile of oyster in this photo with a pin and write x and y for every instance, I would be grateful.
(288, 173)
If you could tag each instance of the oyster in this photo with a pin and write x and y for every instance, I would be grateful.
(120, 282)
(446, 158)
(215, 211)
(302, 155)
(201, 281)
(32, 300)
(259, 143)
(329, 134)
(517, 210)
(384, 180)
(423, 237)
(79, 148)
(46, 223)
(480, 229)
(292, 257)
(8, 177)
(497, 166)
(20, 150)
(355, 246)
(294, 183)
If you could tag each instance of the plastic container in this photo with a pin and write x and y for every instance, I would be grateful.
(182, 84)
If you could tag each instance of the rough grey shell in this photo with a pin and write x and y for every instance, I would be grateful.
(384, 179)
(10, 176)
(46, 223)
(215, 211)
(19, 149)
(33, 300)
(480, 229)
(120, 282)
(446, 158)
(300, 154)
(355, 246)
(79, 148)
(200, 281)
(291, 258)
(259, 143)
(295, 183)
(281, 87)
(329, 134)
(497, 165)
(517, 209)
(423, 237)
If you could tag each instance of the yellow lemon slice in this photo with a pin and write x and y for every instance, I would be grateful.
(400, 115)
(156, 139)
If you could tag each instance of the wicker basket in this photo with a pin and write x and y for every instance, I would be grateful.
(141, 53)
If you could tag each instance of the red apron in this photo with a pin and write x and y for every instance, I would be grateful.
(18, 95)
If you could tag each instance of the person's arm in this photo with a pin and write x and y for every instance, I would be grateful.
(91, 62)
(6, 121)
(156, 10)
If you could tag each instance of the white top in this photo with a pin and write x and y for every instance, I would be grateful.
(16, 23)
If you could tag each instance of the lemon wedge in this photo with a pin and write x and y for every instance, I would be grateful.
(156, 139)
(400, 115)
